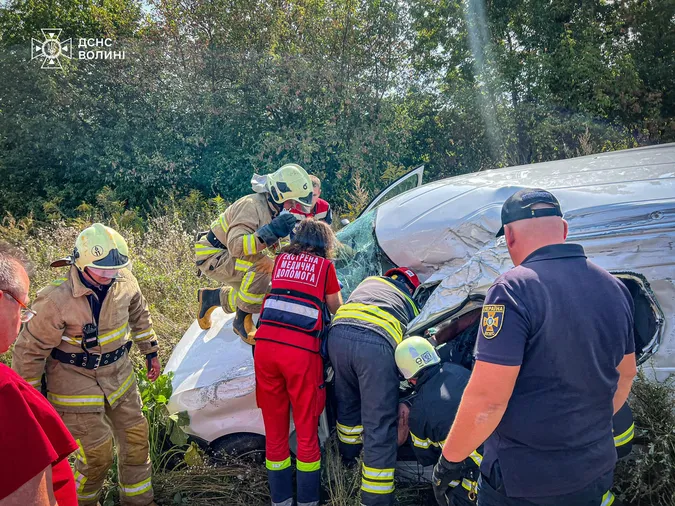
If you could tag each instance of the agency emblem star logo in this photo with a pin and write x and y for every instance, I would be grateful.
(492, 320)
(51, 49)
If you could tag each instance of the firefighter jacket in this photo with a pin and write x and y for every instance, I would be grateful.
(379, 304)
(63, 309)
(235, 230)
(433, 408)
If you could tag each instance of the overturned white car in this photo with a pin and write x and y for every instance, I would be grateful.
(620, 206)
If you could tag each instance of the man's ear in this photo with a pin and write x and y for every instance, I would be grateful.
(566, 229)
(509, 236)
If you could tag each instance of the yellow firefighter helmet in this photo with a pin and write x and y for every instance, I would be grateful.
(100, 247)
(414, 354)
(290, 182)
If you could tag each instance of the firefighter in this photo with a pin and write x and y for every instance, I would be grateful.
(320, 209)
(361, 345)
(288, 367)
(79, 339)
(233, 251)
(428, 414)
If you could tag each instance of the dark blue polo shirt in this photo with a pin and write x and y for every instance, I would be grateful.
(567, 323)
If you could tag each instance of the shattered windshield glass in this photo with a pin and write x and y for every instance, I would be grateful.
(358, 255)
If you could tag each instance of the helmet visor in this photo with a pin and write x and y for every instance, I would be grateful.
(304, 207)
(104, 273)
(113, 260)
(306, 201)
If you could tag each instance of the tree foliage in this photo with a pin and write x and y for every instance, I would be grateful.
(357, 91)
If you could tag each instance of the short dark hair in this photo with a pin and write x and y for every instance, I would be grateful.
(314, 237)
(11, 258)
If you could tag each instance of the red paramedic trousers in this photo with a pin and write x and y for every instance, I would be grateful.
(288, 376)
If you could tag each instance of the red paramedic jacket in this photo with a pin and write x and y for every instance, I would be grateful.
(321, 211)
(294, 311)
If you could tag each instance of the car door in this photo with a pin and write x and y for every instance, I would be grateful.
(408, 181)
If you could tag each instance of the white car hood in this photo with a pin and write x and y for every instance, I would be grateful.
(210, 366)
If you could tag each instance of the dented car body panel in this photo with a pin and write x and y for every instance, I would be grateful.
(620, 207)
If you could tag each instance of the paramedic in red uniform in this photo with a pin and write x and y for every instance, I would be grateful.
(288, 366)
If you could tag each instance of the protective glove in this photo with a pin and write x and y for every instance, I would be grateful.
(279, 227)
(445, 472)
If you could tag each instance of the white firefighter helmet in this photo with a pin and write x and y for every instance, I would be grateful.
(414, 354)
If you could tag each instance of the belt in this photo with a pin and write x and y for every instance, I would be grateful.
(215, 242)
(91, 360)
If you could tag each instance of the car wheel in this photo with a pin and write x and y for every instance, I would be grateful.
(242, 446)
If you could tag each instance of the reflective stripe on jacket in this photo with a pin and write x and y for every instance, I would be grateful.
(379, 304)
(62, 310)
(235, 228)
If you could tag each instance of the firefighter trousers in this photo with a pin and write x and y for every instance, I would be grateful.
(94, 433)
(366, 389)
(290, 377)
(247, 281)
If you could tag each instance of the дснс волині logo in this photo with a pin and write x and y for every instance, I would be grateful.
(51, 48)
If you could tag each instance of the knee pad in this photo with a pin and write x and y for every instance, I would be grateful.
(99, 461)
(137, 446)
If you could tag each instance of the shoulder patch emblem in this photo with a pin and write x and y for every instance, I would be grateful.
(491, 320)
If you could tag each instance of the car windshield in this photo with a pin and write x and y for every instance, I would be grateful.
(358, 255)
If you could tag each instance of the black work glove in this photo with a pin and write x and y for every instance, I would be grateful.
(445, 472)
(279, 227)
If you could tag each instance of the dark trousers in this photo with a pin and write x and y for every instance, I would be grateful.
(491, 493)
(366, 390)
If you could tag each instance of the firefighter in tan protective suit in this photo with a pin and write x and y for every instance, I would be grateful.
(233, 250)
(79, 339)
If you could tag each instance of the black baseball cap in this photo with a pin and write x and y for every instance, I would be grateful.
(519, 206)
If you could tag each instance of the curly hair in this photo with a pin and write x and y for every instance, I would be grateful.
(314, 237)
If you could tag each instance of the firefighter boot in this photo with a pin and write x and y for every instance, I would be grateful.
(209, 299)
(243, 326)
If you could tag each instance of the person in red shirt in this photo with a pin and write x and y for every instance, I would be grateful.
(288, 364)
(34, 442)
(320, 208)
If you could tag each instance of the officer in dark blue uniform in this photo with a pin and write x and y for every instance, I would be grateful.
(555, 360)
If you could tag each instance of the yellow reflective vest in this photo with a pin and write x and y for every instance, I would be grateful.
(381, 305)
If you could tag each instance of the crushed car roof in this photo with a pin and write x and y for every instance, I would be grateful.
(619, 205)
(439, 226)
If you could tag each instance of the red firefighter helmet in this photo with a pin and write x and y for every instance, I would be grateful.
(406, 274)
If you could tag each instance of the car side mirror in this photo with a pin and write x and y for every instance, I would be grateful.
(344, 222)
